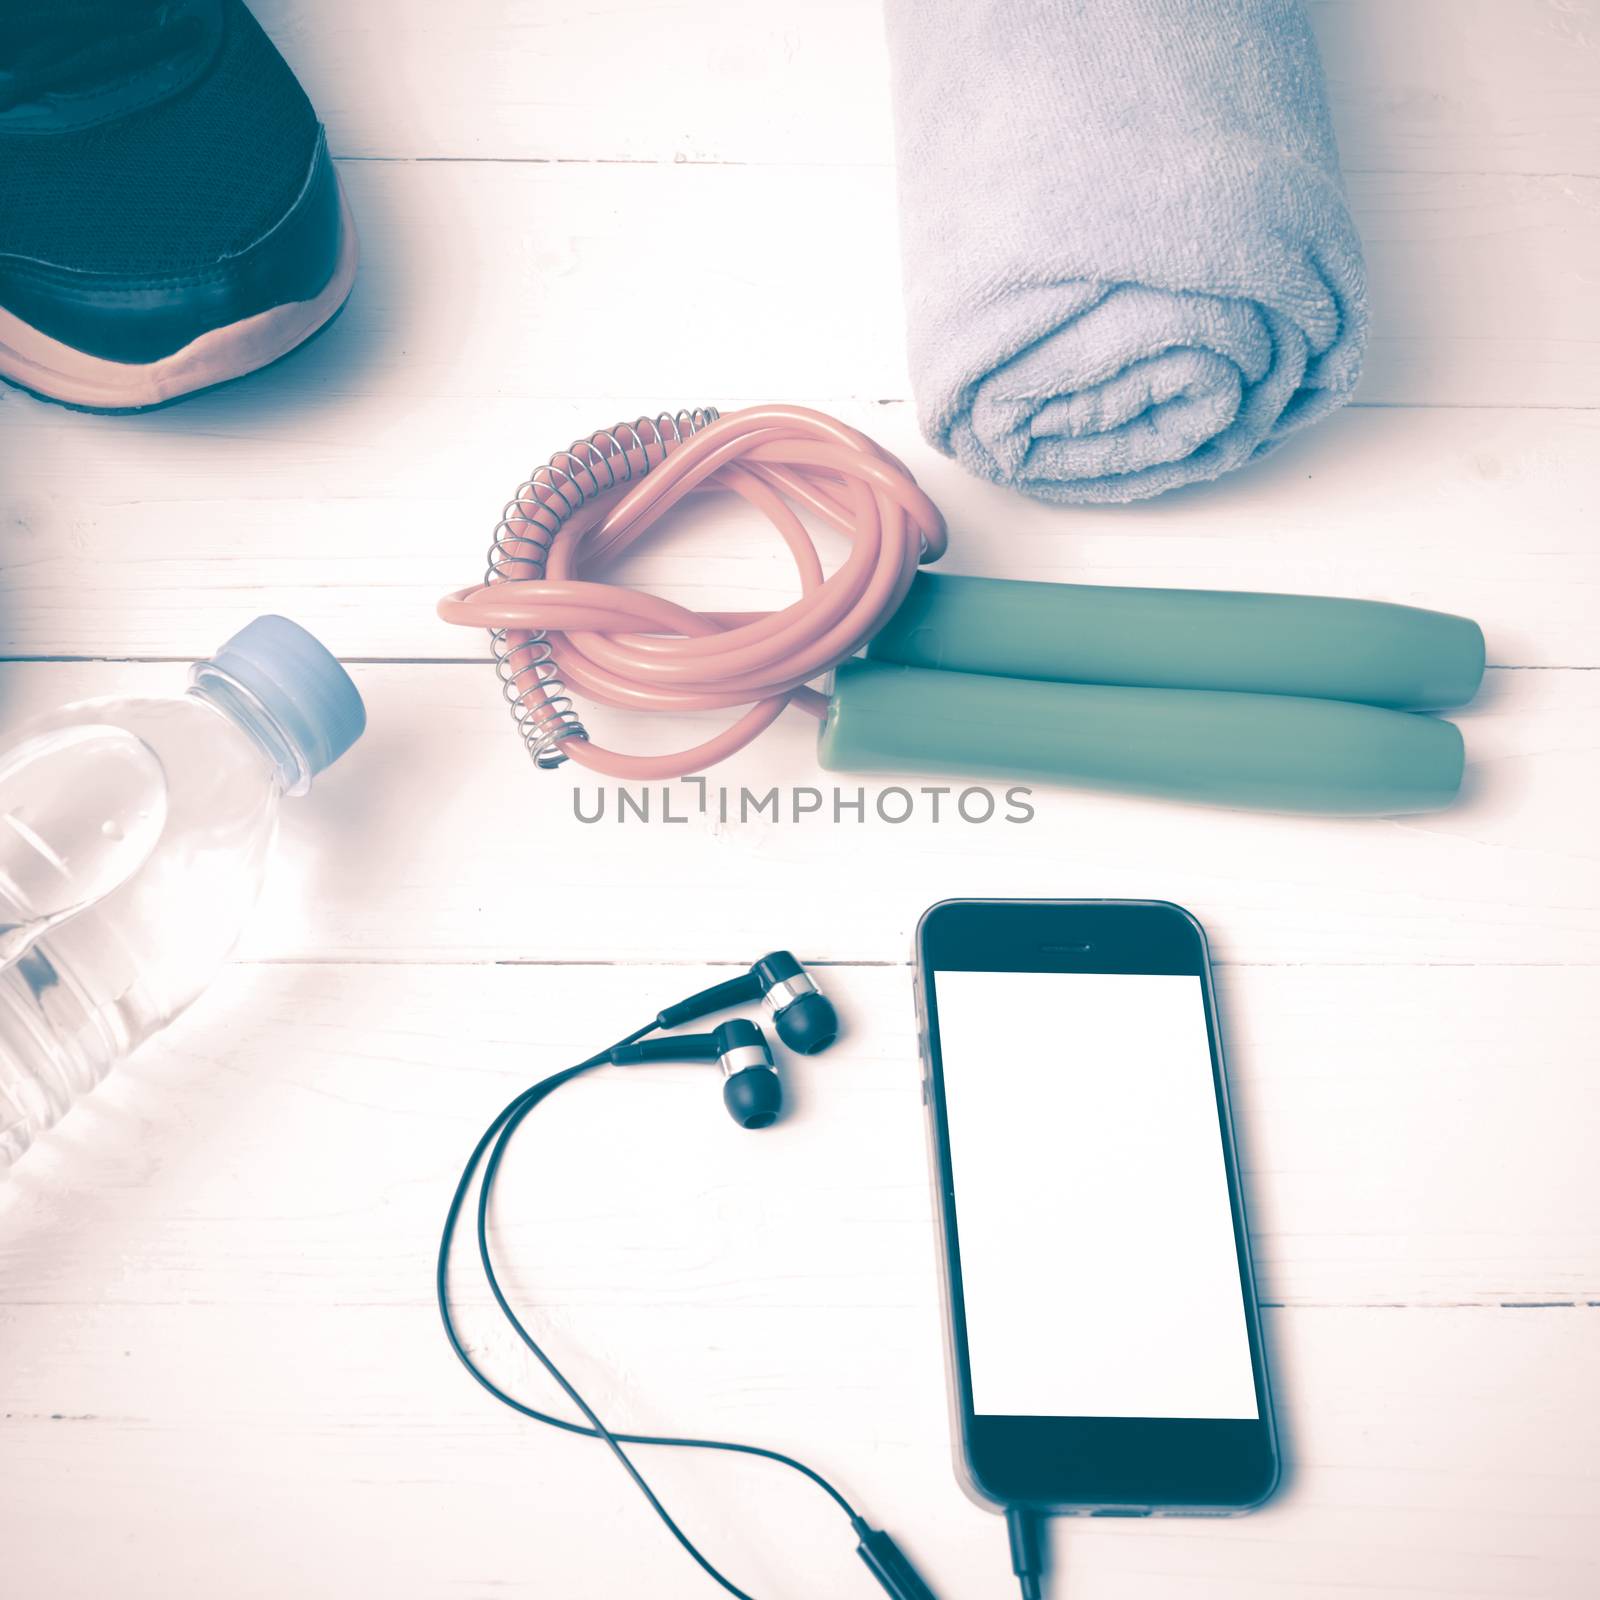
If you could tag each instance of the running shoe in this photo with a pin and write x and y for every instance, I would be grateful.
(169, 214)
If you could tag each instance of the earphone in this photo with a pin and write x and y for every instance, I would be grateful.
(805, 1021)
(802, 1015)
(751, 1089)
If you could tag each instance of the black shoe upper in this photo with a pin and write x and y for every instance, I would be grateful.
(162, 173)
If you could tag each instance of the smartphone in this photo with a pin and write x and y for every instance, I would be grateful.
(1102, 1333)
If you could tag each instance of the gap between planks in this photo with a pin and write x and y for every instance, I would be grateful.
(873, 166)
(669, 963)
(557, 1304)
(484, 661)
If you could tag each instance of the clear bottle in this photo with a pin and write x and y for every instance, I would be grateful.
(134, 837)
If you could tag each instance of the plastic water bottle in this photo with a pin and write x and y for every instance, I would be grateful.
(134, 837)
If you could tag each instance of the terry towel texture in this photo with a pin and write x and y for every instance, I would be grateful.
(1129, 262)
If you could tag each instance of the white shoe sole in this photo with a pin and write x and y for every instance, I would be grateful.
(58, 372)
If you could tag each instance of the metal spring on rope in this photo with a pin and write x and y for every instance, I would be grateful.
(529, 678)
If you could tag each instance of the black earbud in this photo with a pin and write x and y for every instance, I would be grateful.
(802, 1014)
(751, 1088)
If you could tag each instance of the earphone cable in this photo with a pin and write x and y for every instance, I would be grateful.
(649, 1439)
(497, 1136)
(1025, 1530)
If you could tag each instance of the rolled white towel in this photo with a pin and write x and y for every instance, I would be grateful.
(1129, 262)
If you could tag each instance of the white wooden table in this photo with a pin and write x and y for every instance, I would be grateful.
(220, 1370)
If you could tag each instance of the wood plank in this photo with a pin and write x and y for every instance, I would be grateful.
(1424, 86)
(1461, 85)
(265, 1451)
(436, 839)
(1498, 260)
(159, 535)
(1410, 1136)
(516, 281)
(217, 1311)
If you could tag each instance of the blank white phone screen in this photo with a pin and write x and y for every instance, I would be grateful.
(1098, 1263)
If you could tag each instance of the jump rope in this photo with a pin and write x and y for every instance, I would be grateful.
(1287, 701)
(554, 626)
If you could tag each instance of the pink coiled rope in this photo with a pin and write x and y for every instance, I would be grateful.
(559, 628)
